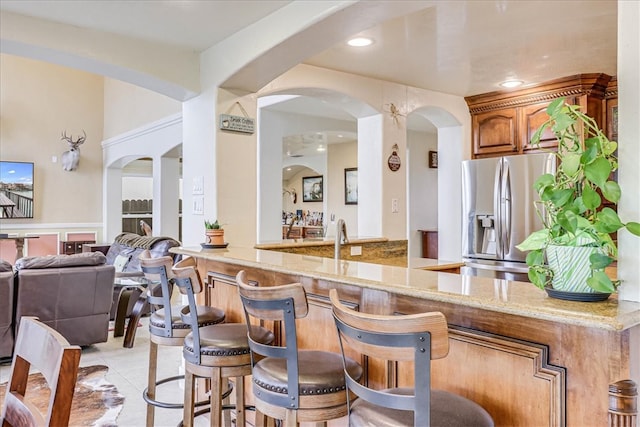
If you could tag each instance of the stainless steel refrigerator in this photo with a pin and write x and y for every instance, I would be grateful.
(498, 212)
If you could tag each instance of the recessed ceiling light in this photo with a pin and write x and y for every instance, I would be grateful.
(360, 42)
(511, 83)
(320, 148)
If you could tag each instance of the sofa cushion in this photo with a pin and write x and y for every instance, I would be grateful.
(5, 266)
(120, 263)
(61, 261)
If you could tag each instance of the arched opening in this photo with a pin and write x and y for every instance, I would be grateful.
(145, 164)
(433, 193)
(315, 133)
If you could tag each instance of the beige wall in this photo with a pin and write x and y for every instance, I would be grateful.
(38, 101)
(128, 107)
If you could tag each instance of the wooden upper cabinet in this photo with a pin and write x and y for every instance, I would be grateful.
(503, 123)
(531, 118)
(495, 132)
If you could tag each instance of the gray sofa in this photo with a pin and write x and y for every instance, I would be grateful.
(6, 309)
(70, 293)
(124, 252)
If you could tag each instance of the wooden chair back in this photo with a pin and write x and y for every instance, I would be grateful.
(186, 269)
(417, 338)
(295, 291)
(41, 347)
(160, 288)
(285, 304)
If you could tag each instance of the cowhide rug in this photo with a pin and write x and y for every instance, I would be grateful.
(95, 401)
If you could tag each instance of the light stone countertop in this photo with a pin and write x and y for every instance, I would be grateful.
(495, 295)
(326, 241)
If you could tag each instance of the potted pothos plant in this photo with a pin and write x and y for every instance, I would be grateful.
(572, 250)
(214, 232)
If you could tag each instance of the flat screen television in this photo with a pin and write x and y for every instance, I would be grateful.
(16, 190)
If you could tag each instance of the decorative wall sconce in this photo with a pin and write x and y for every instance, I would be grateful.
(394, 112)
(292, 193)
(71, 158)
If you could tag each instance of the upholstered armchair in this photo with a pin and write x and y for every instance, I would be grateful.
(70, 293)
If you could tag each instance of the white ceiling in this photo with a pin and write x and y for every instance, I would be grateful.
(458, 47)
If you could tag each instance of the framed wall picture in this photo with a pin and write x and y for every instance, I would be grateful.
(433, 159)
(351, 186)
(312, 189)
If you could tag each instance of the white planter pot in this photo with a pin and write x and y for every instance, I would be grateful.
(571, 267)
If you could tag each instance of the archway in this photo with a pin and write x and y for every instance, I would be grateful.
(162, 143)
(312, 116)
(434, 207)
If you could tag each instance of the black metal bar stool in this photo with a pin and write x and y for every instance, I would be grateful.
(215, 352)
(290, 384)
(417, 338)
(166, 325)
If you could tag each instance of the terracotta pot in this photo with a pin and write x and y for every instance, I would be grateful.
(215, 236)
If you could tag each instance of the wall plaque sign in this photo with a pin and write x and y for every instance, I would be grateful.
(237, 123)
(243, 123)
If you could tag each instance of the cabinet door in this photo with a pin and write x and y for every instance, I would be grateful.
(495, 133)
(67, 248)
(531, 118)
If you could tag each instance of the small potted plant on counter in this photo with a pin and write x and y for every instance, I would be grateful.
(569, 255)
(214, 233)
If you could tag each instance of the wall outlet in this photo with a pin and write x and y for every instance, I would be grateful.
(356, 250)
(394, 205)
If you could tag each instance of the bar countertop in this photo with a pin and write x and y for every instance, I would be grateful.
(496, 295)
(316, 241)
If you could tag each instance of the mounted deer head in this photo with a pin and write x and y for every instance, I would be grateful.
(71, 158)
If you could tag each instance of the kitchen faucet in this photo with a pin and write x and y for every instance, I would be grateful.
(341, 237)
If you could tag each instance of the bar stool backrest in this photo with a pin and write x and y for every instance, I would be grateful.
(188, 281)
(284, 303)
(416, 337)
(158, 272)
(40, 347)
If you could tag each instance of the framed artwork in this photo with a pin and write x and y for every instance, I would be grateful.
(312, 189)
(433, 159)
(351, 186)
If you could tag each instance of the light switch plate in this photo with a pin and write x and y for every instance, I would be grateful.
(394, 205)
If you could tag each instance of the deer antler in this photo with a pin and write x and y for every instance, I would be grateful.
(71, 142)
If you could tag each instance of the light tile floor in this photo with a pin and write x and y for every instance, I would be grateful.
(128, 372)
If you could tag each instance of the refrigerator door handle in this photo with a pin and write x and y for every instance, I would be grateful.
(506, 212)
(497, 196)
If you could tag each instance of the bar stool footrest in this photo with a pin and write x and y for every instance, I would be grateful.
(168, 405)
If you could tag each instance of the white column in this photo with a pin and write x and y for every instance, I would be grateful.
(166, 178)
(198, 161)
(111, 203)
(449, 192)
(629, 145)
(370, 172)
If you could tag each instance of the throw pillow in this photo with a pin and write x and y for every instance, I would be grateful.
(120, 263)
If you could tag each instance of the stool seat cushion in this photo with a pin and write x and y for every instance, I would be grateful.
(447, 410)
(320, 372)
(227, 339)
(206, 316)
